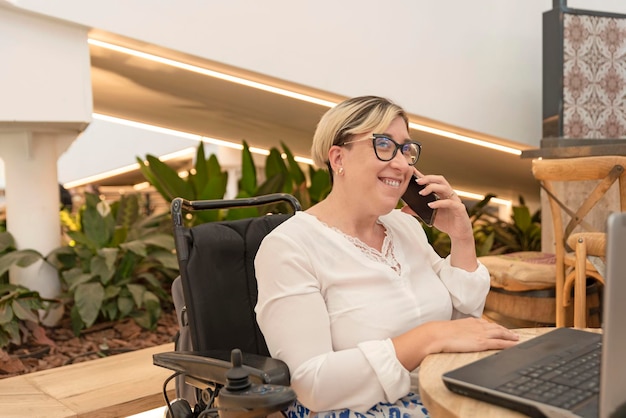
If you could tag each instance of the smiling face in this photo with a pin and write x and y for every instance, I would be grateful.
(372, 184)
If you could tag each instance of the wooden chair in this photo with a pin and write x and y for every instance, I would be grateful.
(576, 241)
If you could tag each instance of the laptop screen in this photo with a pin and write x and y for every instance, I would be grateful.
(613, 371)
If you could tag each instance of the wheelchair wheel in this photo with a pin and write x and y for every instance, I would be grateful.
(180, 408)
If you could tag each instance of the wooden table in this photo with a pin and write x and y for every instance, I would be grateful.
(115, 386)
(441, 402)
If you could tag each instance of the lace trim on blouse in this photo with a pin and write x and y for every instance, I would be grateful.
(386, 256)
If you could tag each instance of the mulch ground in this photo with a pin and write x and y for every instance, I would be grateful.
(101, 340)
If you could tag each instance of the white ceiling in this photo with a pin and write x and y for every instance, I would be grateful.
(144, 91)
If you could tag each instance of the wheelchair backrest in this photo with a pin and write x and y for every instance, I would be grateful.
(219, 283)
(216, 261)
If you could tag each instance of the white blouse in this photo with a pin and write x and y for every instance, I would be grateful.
(328, 309)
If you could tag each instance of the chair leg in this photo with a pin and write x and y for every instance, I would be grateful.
(561, 310)
(580, 285)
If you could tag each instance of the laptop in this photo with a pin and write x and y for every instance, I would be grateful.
(536, 377)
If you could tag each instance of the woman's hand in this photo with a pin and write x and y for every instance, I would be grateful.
(452, 217)
(456, 336)
(474, 334)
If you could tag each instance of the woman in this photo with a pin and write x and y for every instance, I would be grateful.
(351, 295)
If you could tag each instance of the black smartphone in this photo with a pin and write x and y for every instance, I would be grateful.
(419, 203)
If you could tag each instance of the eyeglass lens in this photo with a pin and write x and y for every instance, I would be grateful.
(386, 149)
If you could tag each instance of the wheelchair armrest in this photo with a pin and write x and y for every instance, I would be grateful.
(211, 366)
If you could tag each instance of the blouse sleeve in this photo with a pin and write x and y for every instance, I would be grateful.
(468, 290)
(292, 315)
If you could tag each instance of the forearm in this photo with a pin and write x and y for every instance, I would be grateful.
(463, 253)
(413, 346)
(462, 335)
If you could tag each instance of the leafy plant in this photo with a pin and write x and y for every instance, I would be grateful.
(522, 233)
(19, 306)
(208, 181)
(19, 317)
(494, 235)
(118, 263)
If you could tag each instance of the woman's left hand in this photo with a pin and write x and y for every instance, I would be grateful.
(452, 217)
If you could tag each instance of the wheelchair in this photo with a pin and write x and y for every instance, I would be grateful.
(221, 363)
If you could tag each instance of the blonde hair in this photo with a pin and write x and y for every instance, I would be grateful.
(352, 117)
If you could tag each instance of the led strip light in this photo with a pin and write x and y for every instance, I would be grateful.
(289, 93)
(191, 151)
(230, 144)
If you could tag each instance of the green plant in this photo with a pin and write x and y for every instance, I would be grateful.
(19, 306)
(119, 263)
(494, 235)
(522, 233)
(19, 318)
(208, 181)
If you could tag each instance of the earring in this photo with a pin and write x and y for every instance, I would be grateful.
(340, 171)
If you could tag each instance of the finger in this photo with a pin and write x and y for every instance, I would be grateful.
(451, 195)
(500, 332)
(501, 344)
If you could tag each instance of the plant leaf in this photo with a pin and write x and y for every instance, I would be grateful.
(23, 311)
(75, 277)
(166, 258)
(88, 298)
(13, 330)
(274, 184)
(248, 172)
(149, 175)
(275, 165)
(160, 240)
(6, 314)
(320, 185)
(170, 181)
(100, 267)
(522, 218)
(294, 168)
(125, 305)
(137, 291)
(137, 246)
(149, 317)
(201, 175)
(97, 225)
(21, 258)
(6, 241)
(77, 322)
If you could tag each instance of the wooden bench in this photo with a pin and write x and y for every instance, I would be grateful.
(115, 386)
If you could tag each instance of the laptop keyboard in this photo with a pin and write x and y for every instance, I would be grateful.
(562, 382)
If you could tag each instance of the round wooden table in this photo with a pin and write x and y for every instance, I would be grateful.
(441, 402)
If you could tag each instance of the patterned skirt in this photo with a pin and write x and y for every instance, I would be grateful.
(408, 406)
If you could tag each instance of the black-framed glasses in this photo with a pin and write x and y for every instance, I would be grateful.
(386, 148)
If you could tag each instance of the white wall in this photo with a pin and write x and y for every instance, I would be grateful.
(474, 64)
(45, 73)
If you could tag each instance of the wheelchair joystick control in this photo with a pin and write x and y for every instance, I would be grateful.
(241, 398)
(237, 378)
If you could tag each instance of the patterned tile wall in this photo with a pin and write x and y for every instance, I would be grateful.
(594, 77)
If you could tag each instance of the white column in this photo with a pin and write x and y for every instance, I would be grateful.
(45, 82)
(32, 201)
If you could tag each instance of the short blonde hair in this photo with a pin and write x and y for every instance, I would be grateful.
(352, 117)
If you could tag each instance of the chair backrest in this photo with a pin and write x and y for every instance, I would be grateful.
(603, 171)
(216, 261)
